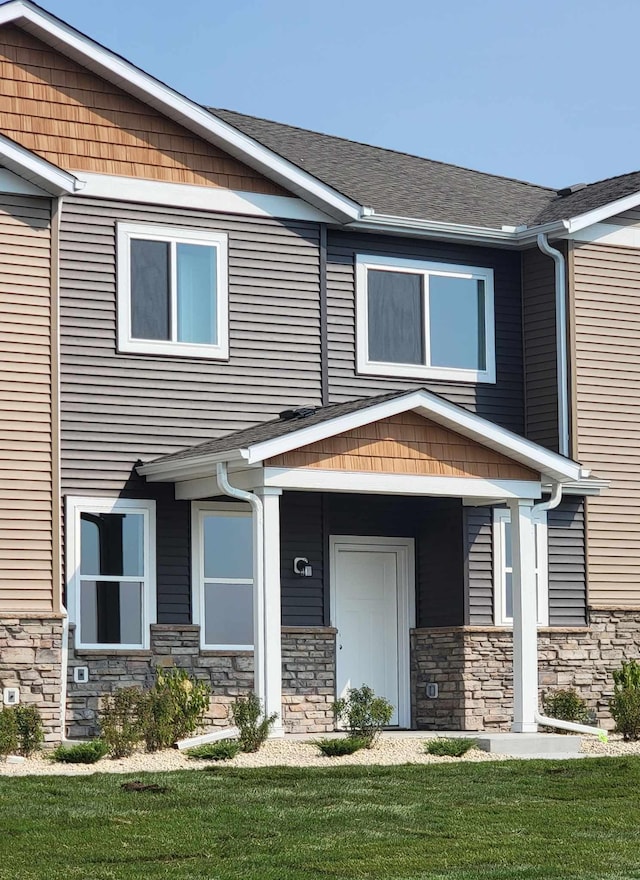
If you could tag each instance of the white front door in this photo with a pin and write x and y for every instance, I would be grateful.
(372, 602)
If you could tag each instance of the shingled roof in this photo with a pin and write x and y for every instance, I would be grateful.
(402, 185)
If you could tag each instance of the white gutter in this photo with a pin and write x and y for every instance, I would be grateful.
(561, 342)
(545, 720)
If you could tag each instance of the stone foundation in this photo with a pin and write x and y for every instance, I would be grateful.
(473, 668)
(30, 659)
(308, 678)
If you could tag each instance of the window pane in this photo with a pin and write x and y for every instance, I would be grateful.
(395, 317)
(228, 547)
(150, 302)
(508, 601)
(112, 544)
(456, 318)
(228, 614)
(110, 612)
(197, 294)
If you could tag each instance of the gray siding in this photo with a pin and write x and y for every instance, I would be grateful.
(501, 402)
(567, 565)
(440, 571)
(302, 534)
(540, 375)
(119, 408)
(479, 566)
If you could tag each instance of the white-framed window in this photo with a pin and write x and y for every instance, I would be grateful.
(222, 575)
(503, 569)
(424, 320)
(111, 571)
(172, 291)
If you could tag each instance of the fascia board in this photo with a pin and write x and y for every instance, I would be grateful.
(117, 70)
(575, 224)
(190, 467)
(35, 169)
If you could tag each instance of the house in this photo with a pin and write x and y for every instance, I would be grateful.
(298, 413)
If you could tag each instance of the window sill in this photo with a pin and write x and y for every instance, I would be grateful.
(174, 349)
(101, 653)
(226, 652)
(416, 371)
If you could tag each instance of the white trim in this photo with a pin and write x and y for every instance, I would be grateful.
(317, 480)
(172, 235)
(200, 509)
(32, 168)
(609, 233)
(581, 221)
(424, 268)
(500, 517)
(14, 184)
(75, 505)
(203, 198)
(192, 116)
(406, 591)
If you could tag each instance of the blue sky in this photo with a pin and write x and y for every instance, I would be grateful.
(545, 91)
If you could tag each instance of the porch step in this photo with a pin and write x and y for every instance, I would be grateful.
(530, 745)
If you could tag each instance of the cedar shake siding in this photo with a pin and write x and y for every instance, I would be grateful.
(606, 306)
(80, 122)
(26, 399)
(540, 374)
(117, 408)
(501, 402)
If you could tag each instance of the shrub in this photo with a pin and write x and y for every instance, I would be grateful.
(8, 731)
(625, 703)
(121, 720)
(174, 708)
(335, 748)
(249, 718)
(223, 750)
(568, 705)
(363, 713)
(450, 747)
(82, 753)
(628, 676)
(29, 729)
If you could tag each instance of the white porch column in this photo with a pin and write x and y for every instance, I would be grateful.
(525, 613)
(269, 665)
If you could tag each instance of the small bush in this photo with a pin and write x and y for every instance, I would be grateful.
(8, 731)
(121, 721)
(568, 705)
(29, 729)
(625, 703)
(363, 714)
(223, 750)
(174, 708)
(82, 753)
(335, 748)
(450, 747)
(253, 725)
(628, 676)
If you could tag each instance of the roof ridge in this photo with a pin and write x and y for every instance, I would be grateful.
(549, 189)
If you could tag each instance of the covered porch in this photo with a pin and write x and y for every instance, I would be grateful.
(410, 463)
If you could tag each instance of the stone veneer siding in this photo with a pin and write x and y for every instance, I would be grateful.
(30, 659)
(308, 662)
(473, 667)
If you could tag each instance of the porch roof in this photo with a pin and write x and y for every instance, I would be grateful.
(297, 428)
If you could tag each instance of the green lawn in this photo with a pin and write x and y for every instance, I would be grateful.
(533, 819)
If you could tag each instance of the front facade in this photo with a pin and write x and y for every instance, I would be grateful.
(293, 443)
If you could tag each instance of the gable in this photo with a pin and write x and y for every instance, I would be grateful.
(405, 443)
(80, 122)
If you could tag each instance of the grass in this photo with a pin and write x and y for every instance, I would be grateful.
(499, 820)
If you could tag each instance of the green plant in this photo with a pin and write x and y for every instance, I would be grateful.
(628, 676)
(249, 718)
(174, 708)
(223, 750)
(121, 720)
(451, 747)
(335, 748)
(363, 714)
(8, 731)
(625, 702)
(568, 705)
(29, 729)
(82, 753)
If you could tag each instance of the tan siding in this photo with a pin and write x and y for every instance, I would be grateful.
(73, 118)
(26, 488)
(405, 444)
(607, 392)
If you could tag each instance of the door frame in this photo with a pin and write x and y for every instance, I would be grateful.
(406, 605)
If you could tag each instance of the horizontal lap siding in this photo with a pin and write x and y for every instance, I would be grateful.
(302, 534)
(26, 548)
(119, 408)
(479, 565)
(501, 402)
(607, 390)
(567, 564)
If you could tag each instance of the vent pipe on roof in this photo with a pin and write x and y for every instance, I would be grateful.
(561, 342)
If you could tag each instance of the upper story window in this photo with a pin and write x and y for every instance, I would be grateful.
(424, 320)
(172, 291)
(503, 569)
(111, 571)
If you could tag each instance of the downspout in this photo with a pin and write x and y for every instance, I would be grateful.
(561, 342)
(552, 502)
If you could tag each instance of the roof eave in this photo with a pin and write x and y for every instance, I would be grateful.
(36, 170)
